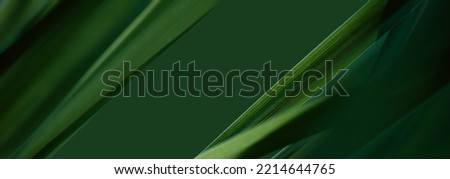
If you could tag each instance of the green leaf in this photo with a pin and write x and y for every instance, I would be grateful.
(396, 108)
(67, 58)
(343, 46)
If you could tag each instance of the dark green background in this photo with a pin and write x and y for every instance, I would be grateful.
(237, 34)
